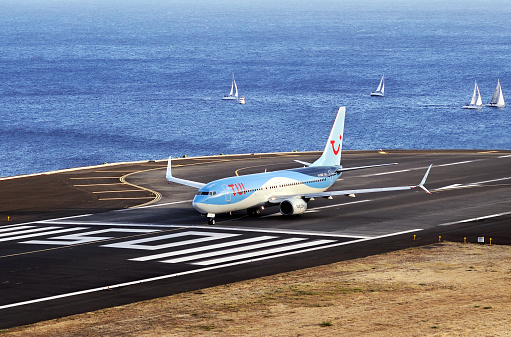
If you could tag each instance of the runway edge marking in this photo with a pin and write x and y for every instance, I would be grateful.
(189, 272)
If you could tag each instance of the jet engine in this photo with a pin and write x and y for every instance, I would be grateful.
(293, 206)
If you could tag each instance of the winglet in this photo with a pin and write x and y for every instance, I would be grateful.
(421, 185)
(170, 178)
(169, 169)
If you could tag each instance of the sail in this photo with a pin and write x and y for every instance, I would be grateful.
(380, 89)
(479, 101)
(497, 99)
(474, 95)
(381, 86)
(500, 102)
(235, 86)
(232, 87)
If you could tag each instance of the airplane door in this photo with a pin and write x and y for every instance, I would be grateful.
(227, 193)
(330, 175)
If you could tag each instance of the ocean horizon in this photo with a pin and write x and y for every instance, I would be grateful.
(84, 83)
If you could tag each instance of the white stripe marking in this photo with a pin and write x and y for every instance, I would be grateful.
(262, 252)
(478, 184)
(190, 272)
(336, 205)
(43, 233)
(233, 250)
(85, 237)
(203, 237)
(385, 173)
(458, 163)
(14, 228)
(33, 230)
(64, 218)
(474, 219)
(199, 249)
(312, 210)
(150, 206)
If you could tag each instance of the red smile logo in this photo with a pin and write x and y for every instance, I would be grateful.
(338, 147)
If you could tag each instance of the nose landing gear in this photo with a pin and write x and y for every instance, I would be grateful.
(211, 219)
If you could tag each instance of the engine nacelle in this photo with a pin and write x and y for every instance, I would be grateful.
(293, 206)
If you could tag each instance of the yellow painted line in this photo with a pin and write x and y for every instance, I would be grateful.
(126, 198)
(120, 171)
(157, 195)
(117, 177)
(119, 191)
(99, 184)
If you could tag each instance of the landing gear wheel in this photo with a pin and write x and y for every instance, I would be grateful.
(254, 211)
(211, 221)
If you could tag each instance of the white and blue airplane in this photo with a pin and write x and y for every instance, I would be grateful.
(291, 189)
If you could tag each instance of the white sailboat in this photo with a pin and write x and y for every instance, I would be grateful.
(497, 100)
(476, 102)
(234, 88)
(380, 91)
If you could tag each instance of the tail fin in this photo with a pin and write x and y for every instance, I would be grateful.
(332, 154)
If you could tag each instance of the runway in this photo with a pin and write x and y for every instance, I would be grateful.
(53, 267)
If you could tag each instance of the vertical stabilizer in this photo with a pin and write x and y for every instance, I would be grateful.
(332, 153)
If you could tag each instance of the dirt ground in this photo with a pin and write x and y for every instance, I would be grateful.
(446, 289)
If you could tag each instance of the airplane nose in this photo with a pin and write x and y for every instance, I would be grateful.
(197, 205)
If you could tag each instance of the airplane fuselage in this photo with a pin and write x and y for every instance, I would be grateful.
(256, 190)
(290, 189)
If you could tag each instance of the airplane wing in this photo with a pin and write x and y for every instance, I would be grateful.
(181, 181)
(276, 200)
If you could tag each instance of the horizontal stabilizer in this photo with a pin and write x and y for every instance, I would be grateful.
(303, 162)
(343, 169)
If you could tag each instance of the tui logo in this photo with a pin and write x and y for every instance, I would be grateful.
(338, 147)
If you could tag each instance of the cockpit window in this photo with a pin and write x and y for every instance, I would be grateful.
(210, 193)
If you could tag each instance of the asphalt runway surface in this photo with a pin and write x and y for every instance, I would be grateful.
(72, 242)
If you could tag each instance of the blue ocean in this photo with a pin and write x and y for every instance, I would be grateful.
(88, 82)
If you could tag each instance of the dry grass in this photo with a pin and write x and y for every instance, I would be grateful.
(446, 289)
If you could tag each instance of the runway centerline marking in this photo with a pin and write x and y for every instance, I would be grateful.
(470, 185)
(475, 219)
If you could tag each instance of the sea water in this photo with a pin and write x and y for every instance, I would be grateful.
(88, 82)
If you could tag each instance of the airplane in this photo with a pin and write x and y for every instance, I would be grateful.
(291, 189)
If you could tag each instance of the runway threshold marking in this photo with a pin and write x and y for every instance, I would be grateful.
(301, 248)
